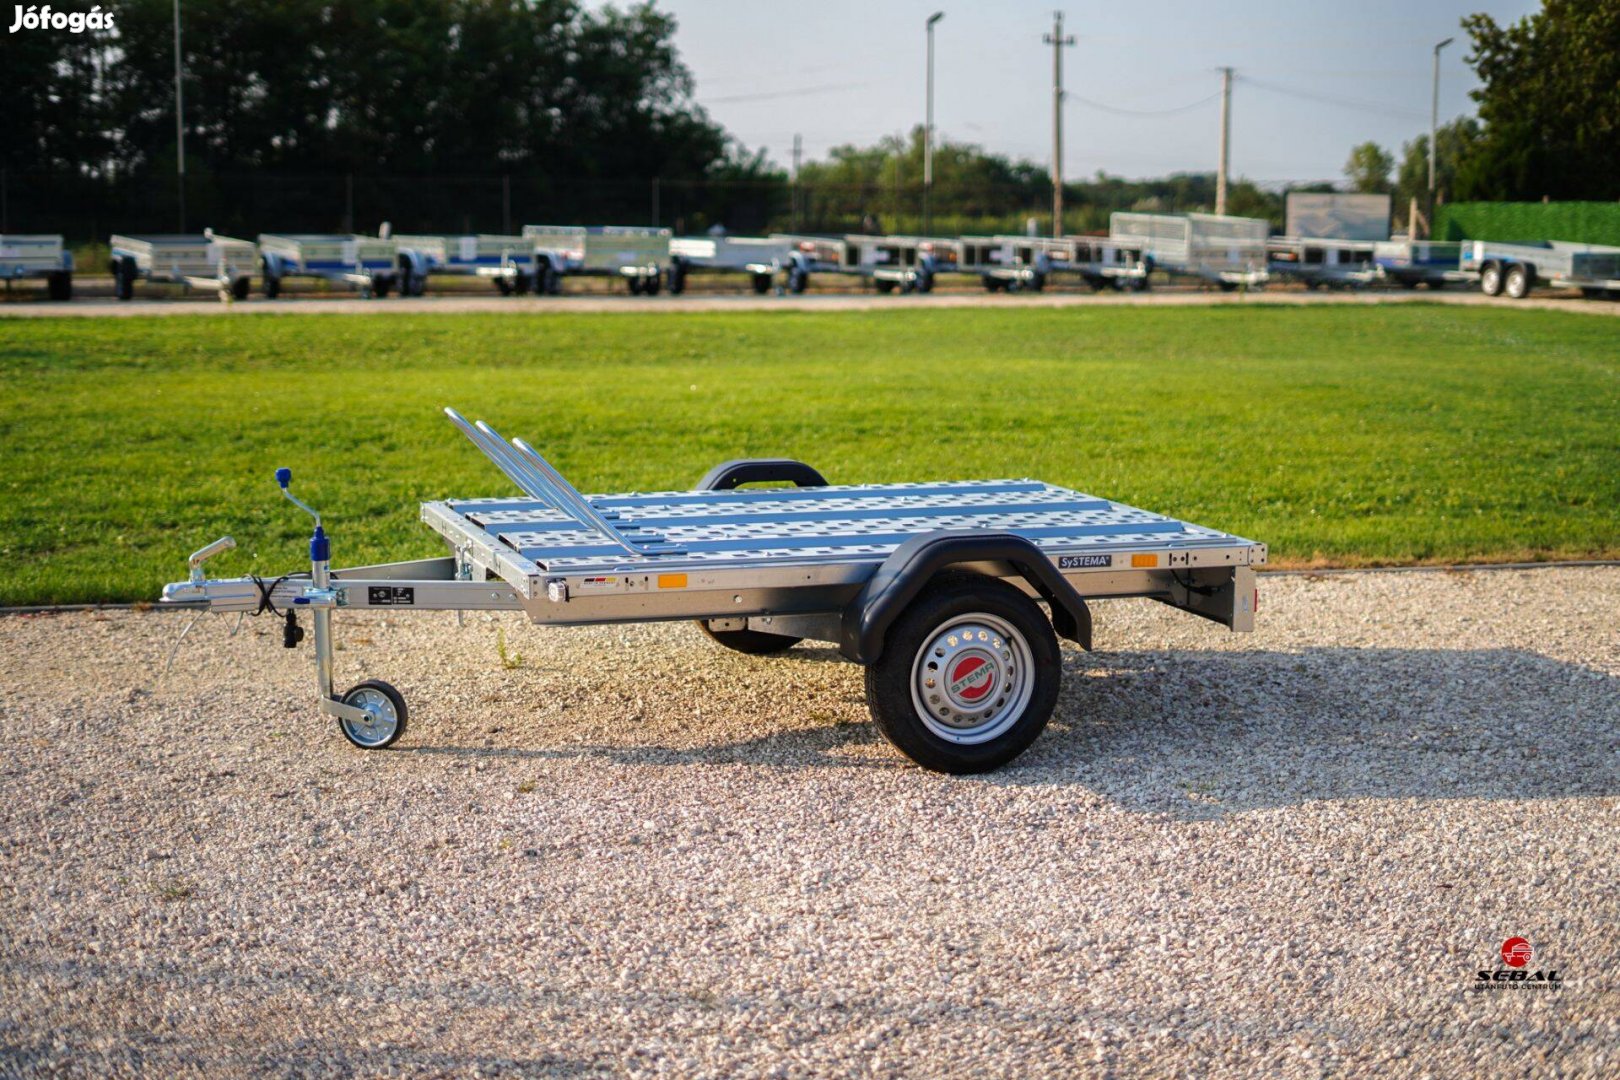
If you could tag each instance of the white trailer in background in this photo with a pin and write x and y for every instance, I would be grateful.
(1013, 263)
(1227, 251)
(193, 261)
(507, 261)
(1337, 264)
(369, 263)
(1515, 269)
(1410, 263)
(809, 255)
(906, 263)
(760, 257)
(637, 255)
(37, 256)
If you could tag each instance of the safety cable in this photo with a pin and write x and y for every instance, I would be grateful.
(267, 592)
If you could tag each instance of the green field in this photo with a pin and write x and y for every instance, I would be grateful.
(1339, 435)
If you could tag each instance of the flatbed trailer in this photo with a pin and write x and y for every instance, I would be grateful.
(37, 255)
(368, 263)
(1410, 263)
(506, 261)
(220, 264)
(1099, 262)
(636, 255)
(933, 587)
(762, 258)
(1514, 269)
(901, 263)
(1229, 252)
(1316, 262)
(810, 255)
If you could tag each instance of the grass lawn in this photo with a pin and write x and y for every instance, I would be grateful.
(1339, 435)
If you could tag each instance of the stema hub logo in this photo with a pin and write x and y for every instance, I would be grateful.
(1517, 954)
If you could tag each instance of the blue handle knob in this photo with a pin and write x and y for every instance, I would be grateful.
(284, 477)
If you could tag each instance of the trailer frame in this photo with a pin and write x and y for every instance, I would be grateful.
(1514, 269)
(370, 264)
(220, 264)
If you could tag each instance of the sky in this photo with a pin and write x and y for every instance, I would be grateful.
(1312, 79)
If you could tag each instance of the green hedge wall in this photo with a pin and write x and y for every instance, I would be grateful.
(1579, 222)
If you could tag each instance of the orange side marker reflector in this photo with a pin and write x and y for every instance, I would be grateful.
(1144, 560)
(672, 581)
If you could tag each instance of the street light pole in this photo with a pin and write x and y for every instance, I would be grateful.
(1434, 126)
(179, 123)
(928, 132)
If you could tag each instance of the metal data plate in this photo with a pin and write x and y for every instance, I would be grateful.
(827, 525)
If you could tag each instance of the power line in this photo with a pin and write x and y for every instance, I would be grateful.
(1121, 111)
(1328, 99)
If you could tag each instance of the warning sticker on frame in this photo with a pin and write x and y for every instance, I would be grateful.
(1083, 562)
(391, 596)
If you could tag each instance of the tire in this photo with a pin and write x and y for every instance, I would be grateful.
(1228, 286)
(523, 284)
(1518, 281)
(240, 287)
(635, 286)
(59, 286)
(884, 287)
(798, 281)
(503, 286)
(650, 286)
(1038, 283)
(925, 283)
(1019, 648)
(1490, 279)
(272, 284)
(761, 284)
(991, 284)
(751, 642)
(381, 286)
(388, 708)
(675, 278)
(406, 279)
(124, 278)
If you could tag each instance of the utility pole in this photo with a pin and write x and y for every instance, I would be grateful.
(179, 123)
(1434, 126)
(928, 131)
(798, 150)
(1057, 41)
(1226, 139)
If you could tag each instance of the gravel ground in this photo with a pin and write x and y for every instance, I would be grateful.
(1175, 296)
(630, 852)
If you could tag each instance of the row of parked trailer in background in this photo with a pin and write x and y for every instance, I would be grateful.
(1332, 241)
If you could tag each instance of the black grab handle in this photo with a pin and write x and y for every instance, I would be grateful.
(733, 474)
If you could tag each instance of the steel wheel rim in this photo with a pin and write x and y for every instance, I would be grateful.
(972, 679)
(382, 718)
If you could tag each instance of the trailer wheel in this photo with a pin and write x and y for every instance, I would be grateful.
(650, 286)
(752, 642)
(523, 284)
(991, 284)
(503, 286)
(272, 283)
(635, 286)
(1038, 282)
(124, 278)
(386, 709)
(240, 287)
(675, 278)
(884, 286)
(59, 286)
(1518, 281)
(968, 676)
(925, 283)
(798, 280)
(761, 284)
(1490, 279)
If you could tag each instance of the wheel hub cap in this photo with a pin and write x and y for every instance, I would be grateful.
(971, 680)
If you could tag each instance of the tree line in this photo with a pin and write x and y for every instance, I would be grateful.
(326, 114)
